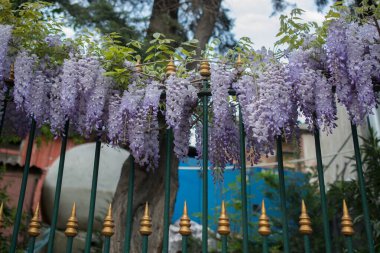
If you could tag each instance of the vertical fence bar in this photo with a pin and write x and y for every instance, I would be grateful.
(108, 230)
(321, 180)
(184, 244)
(145, 228)
(9, 82)
(243, 175)
(306, 240)
(205, 92)
(168, 165)
(350, 248)
(347, 228)
(265, 244)
(170, 69)
(93, 196)
(16, 226)
(34, 229)
(129, 219)
(31, 243)
(305, 227)
(359, 168)
(243, 168)
(184, 228)
(4, 109)
(71, 229)
(58, 188)
(145, 244)
(224, 227)
(284, 211)
(69, 244)
(224, 244)
(264, 227)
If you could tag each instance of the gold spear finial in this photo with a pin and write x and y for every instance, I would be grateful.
(347, 226)
(138, 66)
(264, 227)
(224, 222)
(204, 70)
(1, 214)
(239, 64)
(146, 222)
(184, 223)
(108, 223)
(170, 68)
(12, 72)
(72, 223)
(305, 222)
(35, 223)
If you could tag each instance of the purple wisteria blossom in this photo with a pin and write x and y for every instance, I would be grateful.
(352, 66)
(313, 92)
(224, 132)
(83, 91)
(246, 90)
(133, 121)
(181, 98)
(274, 111)
(5, 36)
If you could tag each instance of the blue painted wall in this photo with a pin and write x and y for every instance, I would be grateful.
(190, 189)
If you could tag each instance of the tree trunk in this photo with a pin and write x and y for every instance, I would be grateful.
(149, 187)
(206, 23)
(164, 19)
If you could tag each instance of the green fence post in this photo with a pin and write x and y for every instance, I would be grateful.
(184, 228)
(69, 244)
(184, 244)
(243, 166)
(16, 226)
(129, 219)
(281, 177)
(362, 187)
(224, 227)
(108, 230)
(9, 83)
(58, 188)
(93, 196)
(264, 227)
(170, 70)
(71, 229)
(145, 228)
(4, 109)
(204, 94)
(168, 165)
(347, 228)
(321, 180)
(243, 177)
(305, 227)
(34, 229)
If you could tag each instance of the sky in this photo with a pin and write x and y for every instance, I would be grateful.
(252, 19)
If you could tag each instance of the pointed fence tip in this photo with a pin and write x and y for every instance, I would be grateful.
(263, 209)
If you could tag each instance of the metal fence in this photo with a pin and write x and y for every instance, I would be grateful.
(185, 228)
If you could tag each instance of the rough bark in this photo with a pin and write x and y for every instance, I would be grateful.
(149, 187)
(206, 23)
(164, 19)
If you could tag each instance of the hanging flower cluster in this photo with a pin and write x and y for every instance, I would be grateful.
(181, 99)
(246, 90)
(65, 83)
(224, 132)
(313, 92)
(274, 111)
(352, 64)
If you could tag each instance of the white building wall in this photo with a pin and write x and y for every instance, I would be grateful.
(338, 147)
